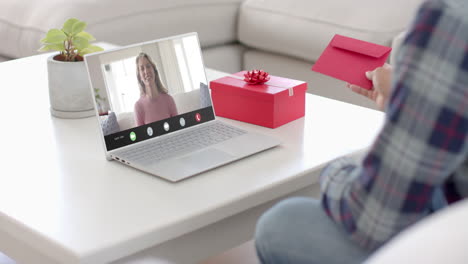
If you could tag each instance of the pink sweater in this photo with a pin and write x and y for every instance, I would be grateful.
(151, 110)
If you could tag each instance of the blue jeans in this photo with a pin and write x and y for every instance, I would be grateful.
(297, 230)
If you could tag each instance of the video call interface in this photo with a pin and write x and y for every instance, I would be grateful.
(146, 91)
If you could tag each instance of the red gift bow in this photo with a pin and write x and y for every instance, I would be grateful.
(256, 77)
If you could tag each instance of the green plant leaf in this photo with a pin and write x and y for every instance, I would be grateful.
(86, 35)
(78, 27)
(80, 42)
(48, 47)
(68, 25)
(90, 49)
(70, 39)
(54, 36)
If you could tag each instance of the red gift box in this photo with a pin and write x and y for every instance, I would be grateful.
(272, 104)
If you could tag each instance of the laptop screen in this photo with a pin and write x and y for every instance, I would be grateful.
(150, 89)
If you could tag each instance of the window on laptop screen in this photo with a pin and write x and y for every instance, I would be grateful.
(144, 91)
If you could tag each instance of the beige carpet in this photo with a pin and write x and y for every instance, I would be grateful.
(244, 254)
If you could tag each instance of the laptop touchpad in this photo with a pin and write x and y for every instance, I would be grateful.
(205, 159)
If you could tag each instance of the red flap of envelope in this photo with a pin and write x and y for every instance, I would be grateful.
(348, 59)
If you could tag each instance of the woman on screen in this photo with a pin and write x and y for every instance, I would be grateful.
(155, 103)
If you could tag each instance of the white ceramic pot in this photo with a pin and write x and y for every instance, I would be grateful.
(69, 91)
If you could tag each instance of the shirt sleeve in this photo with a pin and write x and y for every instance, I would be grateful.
(172, 106)
(423, 140)
(139, 114)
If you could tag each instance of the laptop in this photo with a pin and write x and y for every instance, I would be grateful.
(154, 108)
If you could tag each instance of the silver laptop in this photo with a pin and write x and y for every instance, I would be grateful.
(155, 112)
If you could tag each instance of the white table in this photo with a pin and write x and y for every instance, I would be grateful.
(62, 202)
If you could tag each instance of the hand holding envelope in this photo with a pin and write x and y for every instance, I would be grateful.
(348, 59)
(381, 80)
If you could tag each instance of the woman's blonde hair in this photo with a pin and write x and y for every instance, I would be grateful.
(160, 86)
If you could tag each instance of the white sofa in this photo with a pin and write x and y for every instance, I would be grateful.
(282, 37)
(439, 238)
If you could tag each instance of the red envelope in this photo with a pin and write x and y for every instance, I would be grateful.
(348, 59)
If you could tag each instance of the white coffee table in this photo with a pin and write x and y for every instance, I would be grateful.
(62, 202)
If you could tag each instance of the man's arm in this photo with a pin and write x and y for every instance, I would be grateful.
(422, 142)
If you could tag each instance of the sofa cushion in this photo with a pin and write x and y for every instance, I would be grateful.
(109, 124)
(303, 28)
(126, 120)
(227, 58)
(24, 22)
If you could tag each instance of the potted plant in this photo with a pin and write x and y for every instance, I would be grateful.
(69, 92)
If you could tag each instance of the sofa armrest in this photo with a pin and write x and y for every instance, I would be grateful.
(439, 238)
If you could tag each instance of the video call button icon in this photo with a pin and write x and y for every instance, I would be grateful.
(198, 117)
(132, 136)
(166, 126)
(149, 130)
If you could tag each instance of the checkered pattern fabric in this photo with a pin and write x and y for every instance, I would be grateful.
(423, 144)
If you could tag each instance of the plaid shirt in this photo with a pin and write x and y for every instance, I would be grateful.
(423, 144)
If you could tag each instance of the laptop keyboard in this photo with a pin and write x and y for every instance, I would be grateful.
(180, 143)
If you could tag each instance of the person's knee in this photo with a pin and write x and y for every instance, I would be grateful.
(280, 214)
(274, 228)
(297, 230)
(276, 217)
